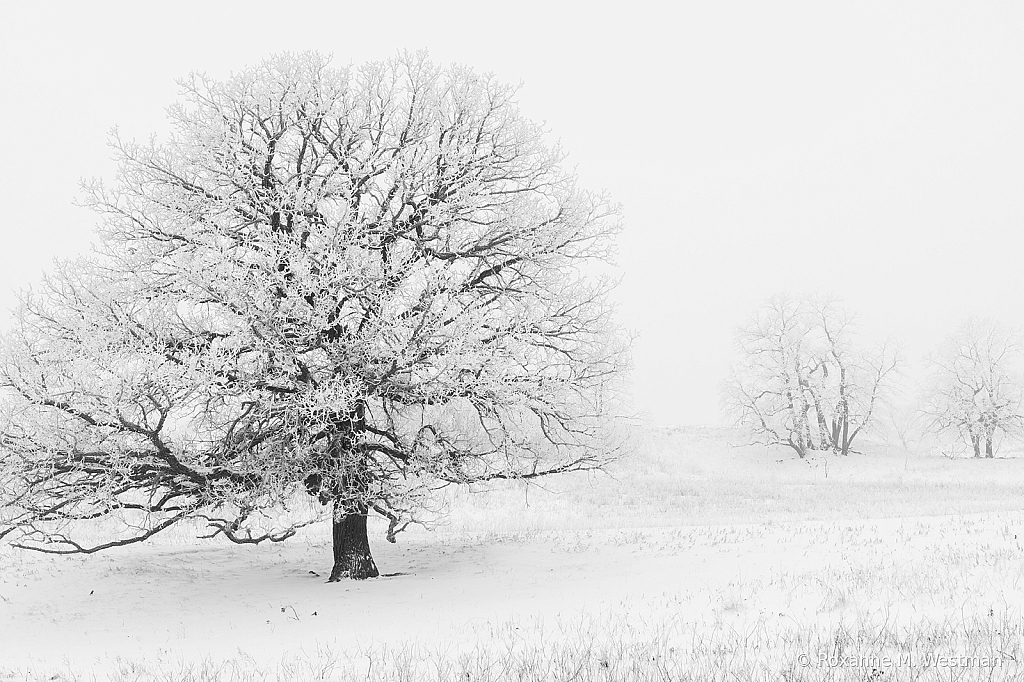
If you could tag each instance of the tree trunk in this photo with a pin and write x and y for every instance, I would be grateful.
(823, 433)
(846, 436)
(988, 447)
(976, 442)
(352, 557)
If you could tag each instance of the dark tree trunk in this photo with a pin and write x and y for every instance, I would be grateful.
(976, 442)
(988, 447)
(352, 557)
(846, 436)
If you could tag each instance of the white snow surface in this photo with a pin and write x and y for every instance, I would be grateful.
(177, 599)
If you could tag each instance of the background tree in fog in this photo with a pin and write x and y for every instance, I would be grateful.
(357, 285)
(803, 380)
(975, 389)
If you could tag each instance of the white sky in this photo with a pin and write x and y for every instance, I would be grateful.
(872, 150)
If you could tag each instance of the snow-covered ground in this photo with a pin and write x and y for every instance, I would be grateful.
(696, 548)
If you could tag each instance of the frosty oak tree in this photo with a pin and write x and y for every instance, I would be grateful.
(802, 381)
(357, 285)
(976, 390)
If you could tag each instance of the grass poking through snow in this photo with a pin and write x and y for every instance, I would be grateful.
(891, 567)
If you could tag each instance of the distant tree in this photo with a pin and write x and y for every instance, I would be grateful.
(802, 381)
(976, 389)
(357, 285)
(765, 390)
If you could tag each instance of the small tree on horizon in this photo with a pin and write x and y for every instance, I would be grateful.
(355, 285)
(802, 380)
(976, 388)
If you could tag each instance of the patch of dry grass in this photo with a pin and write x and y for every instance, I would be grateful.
(614, 649)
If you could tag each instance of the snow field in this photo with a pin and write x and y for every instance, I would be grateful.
(697, 561)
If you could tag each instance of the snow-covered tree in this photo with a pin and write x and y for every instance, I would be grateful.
(802, 380)
(976, 389)
(357, 285)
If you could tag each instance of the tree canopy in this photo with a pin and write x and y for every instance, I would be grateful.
(358, 284)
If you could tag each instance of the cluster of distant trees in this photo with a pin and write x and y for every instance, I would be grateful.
(805, 379)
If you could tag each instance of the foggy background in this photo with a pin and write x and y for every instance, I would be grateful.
(869, 150)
